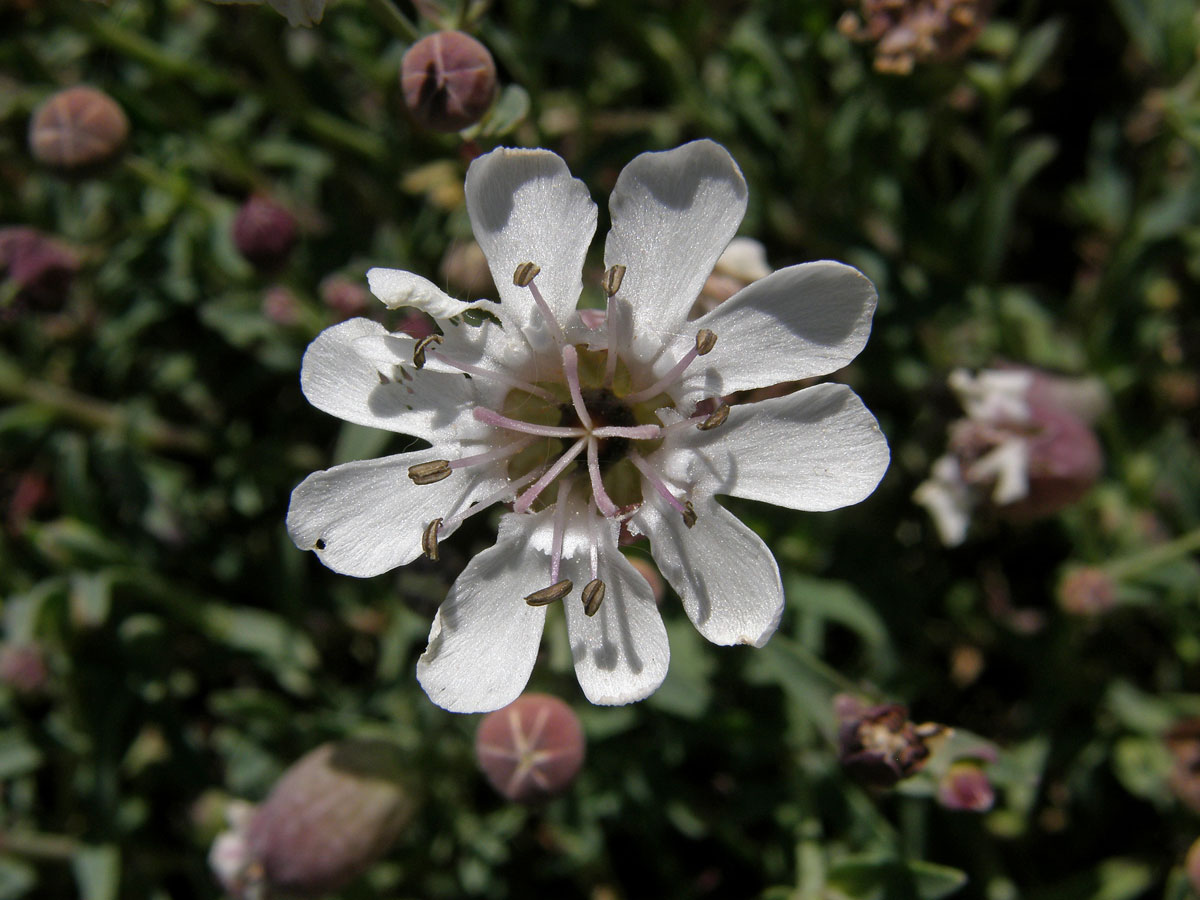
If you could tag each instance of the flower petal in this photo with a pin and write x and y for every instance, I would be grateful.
(621, 652)
(526, 207)
(816, 449)
(673, 213)
(343, 371)
(364, 518)
(724, 573)
(799, 322)
(397, 288)
(485, 637)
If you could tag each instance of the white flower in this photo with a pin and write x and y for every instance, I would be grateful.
(588, 428)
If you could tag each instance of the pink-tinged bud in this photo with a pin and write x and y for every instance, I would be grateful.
(1087, 591)
(23, 668)
(78, 128)
(264, 232)
(879, 746)
(449, 80)
(333, 813)
(531, 749)
(281, 306)
(40, 267)
(344, 297)
(966, 787)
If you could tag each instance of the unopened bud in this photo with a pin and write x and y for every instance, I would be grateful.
(23, 668)
(449, 81)
(966, 787)
(37, 265)
(264, 232)
(531, 749)
(344, 296)
(1087, 591)
(77, 129)
(332, 814)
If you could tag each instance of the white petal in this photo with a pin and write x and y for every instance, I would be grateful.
(485, 637)
(364, 518)
(673, 213)
(724, 573)
(526, 207)
(816, 449)
(947, 499)
(621, 653)
(341, 373)
(799, 322)
(397, 288)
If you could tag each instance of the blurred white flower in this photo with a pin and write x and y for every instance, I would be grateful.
(591, 423)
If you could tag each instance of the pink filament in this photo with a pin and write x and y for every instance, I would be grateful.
(526, 499)
(656, 482)
(666, 381)
(571, 372)
(603, 501)
(560, 526)
(555, 329)
(494, 376)
(491, 417)
(492, 455)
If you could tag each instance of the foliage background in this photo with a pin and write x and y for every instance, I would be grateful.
(1034, 201)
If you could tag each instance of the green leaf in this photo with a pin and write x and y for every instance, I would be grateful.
(16, 878)
(97, 871)
(507, 112)
(17, 755)
(1033, 50)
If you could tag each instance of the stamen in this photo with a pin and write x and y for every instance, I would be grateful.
(490, 417)
(657, 483)
(429, 543)
(612, 279)
(429, 472)
(523, 277)
(594, 549)
(593, 596)
(526, 499)
(610, 326)
(705, 341)
(502, 377)
(634, 432)
(689, 514)
(420, 348)
(492, 455)
(571, 373)
(718, 417)
(603, 501)
(560, 527)
(548, 595)
(478, 506)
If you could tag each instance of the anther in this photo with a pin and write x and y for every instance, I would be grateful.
(612, 279)
(718, 417)
(430, 472)
(548, 595)
(705, 341)
(593, 596)
(689, 514)
(383, 379)
(429, 543)
(422, 346)
(525, 273)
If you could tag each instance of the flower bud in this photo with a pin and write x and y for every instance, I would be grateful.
(1087, 591)
(332, 814)
(78, 128)
(879, 746)
(39, 267)
(23, 668)
(344, 297)
(264, 232)
(449, 80)
(966, 787)
(531, 749)
(281, 305)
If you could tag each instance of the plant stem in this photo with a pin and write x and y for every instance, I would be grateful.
(399, 24)
(1132, 566)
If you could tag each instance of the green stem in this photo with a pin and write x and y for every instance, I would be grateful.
(399, 24)
(37, 845)
(1132, 566)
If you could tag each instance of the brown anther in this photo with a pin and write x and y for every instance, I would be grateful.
(525, 274)
(429, 545)
(593, 596)
(548, 595)
(429, 472)
(613, 278)
(422, 346)
(383, 379)
(689, 514)
(719, 415)
(705, 341)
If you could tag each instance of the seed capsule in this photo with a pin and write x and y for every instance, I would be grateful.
(449, 81)
(422, 346)
(548, 595)
(705, 341)
(430, 472)
(525, 273)
(719, 415)
(77, 128)
(429, 539)
(613, 278)
(531, 749)
(593, 596)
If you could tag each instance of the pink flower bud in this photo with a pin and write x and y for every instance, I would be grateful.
(966, 787)
(345, 297)
(264, 232)
(333, 813)
(77, 128)
(281, 306)
(449, 80)
(23, 668)
(1087, 591)
(531, 749)
(39, 266)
